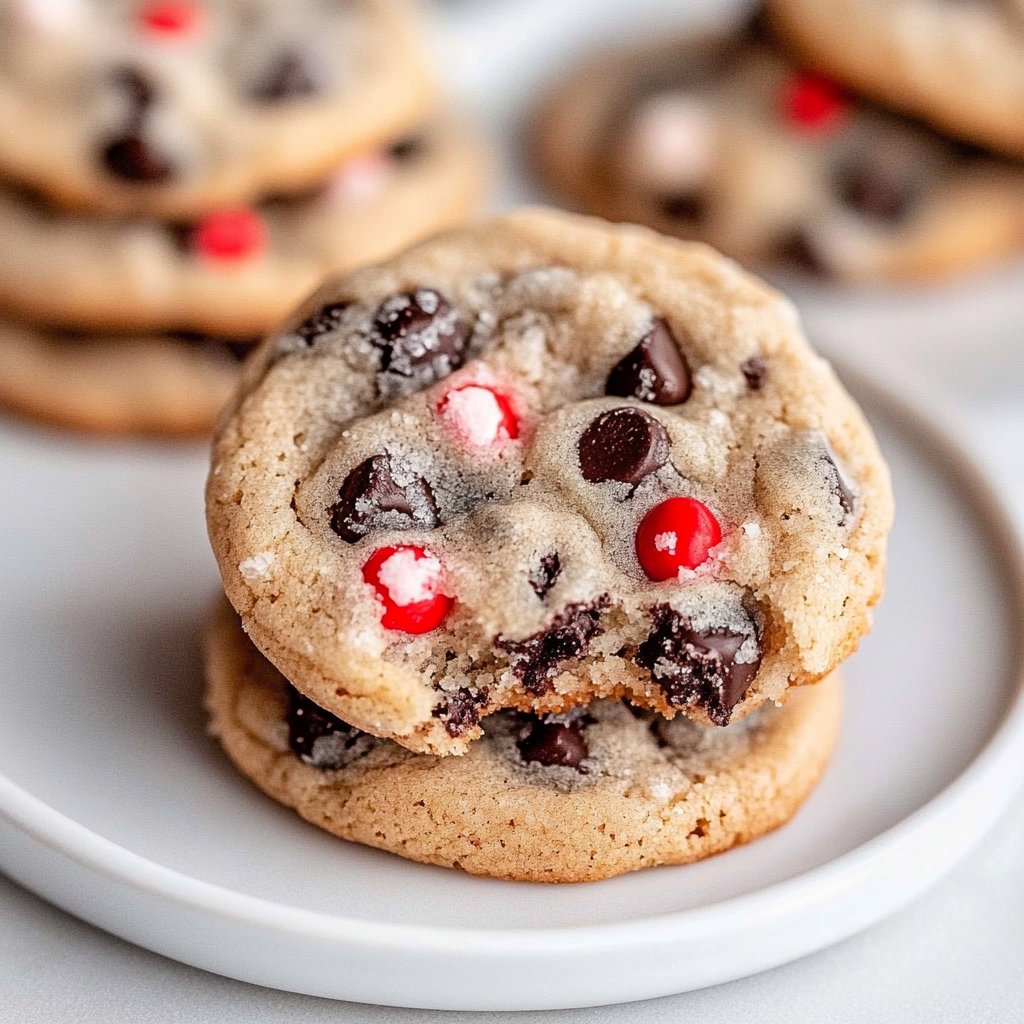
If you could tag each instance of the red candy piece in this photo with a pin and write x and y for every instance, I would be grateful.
(407, 578)
(168, 18)
(676, 534)
(812, 102)
(479, 415)
(230, 235)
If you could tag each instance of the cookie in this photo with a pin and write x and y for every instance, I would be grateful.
(959, 66)
(542, 461)
(172, 108)
(572, 798)
(723, 140)
(163, 385)
(235, 272)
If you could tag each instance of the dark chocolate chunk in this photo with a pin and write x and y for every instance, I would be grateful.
(797, 250)
(319, 738)
(754, 370)
(420, 336)
(554, 743)
(370, 498)
(461, 711)
(323, 321)
(536, 659)
(840, 487)
(543, 577)
(623, 444)
(131, 158)
(876, 194)
(655, 371)
(688, 207)
(291, 75)
(697, 668)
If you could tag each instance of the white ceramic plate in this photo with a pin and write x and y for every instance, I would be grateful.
(114, 804)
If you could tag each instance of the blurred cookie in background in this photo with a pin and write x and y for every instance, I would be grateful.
(236, 271)
(172, 108)
(165, 386)
(959, 66)
(723, 139)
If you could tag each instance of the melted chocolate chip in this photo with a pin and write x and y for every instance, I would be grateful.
(543, 578)
(370, 498)
(622, 444)
(876, 194)
(139, 90)
(754, 370)
(420, 336)
(555, 743)
(407, 149)
(461, 711)
(290, 76)
(655, 371)
(840, 487)
(536, 659)
(319, 738)
(131, 158)
(797, 250)
(689, 207)
(697, 668)
(323, 321)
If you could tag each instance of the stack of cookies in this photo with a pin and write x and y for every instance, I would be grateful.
(179, 173)
(866, 140)
(534, 539)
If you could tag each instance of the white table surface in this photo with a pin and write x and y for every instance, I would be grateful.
(955, 956)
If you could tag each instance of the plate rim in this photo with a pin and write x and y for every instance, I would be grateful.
(912, 407)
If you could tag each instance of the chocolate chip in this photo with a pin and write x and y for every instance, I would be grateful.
(840, 487)
(371, 499)
(691, 207)
(319, 738)
(876, 194)
(655, 371)
(536, 659)
(131, 158)
(698, 667)
(543, 577)
(407, 149)
(554, 743)
(323, 321)
(796, 249)
(622, 444)
(462, 710)
(754, 370)
(420, 336)
(139, 90)
(291, 75)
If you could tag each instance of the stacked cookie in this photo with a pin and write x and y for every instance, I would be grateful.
(179, 173)
(534, 538)
(761, 144)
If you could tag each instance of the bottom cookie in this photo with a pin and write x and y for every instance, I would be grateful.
(569, 798)
(162, 385)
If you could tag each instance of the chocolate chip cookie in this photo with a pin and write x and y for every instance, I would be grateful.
(597, 792)
(723, 139)
(958, 65)
(234, 272)
(161, 385)
(175, 107)
(538, 462)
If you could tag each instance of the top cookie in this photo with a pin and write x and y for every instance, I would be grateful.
(958, 65)
(172, 107)
(724, 140)
(541, 461)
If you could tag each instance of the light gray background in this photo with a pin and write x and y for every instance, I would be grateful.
(953, 957)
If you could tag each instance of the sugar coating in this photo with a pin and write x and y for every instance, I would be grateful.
(650, 791)
(207, 107)
(551, 303)
(872, 197)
